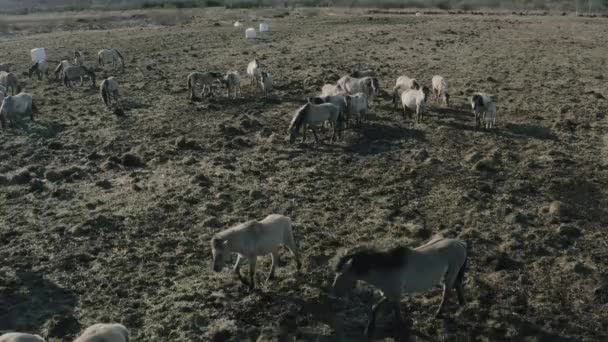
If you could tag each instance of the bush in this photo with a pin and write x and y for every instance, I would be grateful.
(444, 5)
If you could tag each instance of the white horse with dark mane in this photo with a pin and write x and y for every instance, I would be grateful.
(110, 56)
(39, 68)
(404, 270)
(312, 115)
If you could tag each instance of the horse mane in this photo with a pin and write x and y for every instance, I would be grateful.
(365, 259)
(298, 118)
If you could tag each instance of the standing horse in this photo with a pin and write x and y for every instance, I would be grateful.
(110, 56)
(314, 115)
(108, 90)
(10, 82)
(403, 269)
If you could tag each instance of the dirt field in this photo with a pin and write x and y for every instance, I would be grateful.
(108, 219)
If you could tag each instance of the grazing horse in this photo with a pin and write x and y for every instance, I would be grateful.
(108, 90)
(10, 82)
(103, 332)
(252, 239)
(370, 86)
(74, 73)
(20, 337)
(5, 67)
(40, 68)
(22, 103)
(110, 56)
(205, 79)
(403, 269)
(314, 115)
(60, 67)
(232, 82)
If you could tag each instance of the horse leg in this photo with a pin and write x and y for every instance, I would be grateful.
(237, 269)
(252, 262)
(444, 299)
(371, 325)
(304, 129)
(275, 260)
(315, 134)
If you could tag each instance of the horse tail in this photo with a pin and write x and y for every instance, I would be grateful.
(99, 59)
(34, 107)
(103, 92)
(122, 59)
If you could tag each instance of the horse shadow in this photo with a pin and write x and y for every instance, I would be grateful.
(43, 129)
(376, 137)
(531, 131)
(30, 301)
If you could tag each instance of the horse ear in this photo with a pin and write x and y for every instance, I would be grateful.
(347, 266)
(217, 242)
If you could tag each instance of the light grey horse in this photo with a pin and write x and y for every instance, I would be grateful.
(252, 239)
(404, 270)
(314, 115)
(60, 67)
(110, 56)
(104, 332)
(10, 82)
(74, 72)
(39, 68)
(22, 103)
(108, 90)
(20, 337)
(206, 79)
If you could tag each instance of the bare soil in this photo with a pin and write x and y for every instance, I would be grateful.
(107, 218)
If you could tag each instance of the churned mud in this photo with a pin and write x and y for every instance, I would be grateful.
(107, 218)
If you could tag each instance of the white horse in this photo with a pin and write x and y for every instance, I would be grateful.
(252, 239)
(314, 115)
(403, 84)
(40, 68)
(102, 332)
(20, 337)
(110, 56)
(440, 89)
(265, 81)
(73, 73)
(403, 269)
(370, 86)
(415, 100)
(232, 82)
(10, 82)
(253, 71)
(22, 103)
(205, 79)
(108, 90)
(60, 67)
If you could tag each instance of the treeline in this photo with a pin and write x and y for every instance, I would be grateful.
(28, 6)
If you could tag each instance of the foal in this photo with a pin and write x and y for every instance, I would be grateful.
(402, 269)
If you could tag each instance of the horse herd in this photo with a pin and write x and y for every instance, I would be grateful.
(393, 271)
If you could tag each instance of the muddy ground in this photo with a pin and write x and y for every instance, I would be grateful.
(107, 218)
